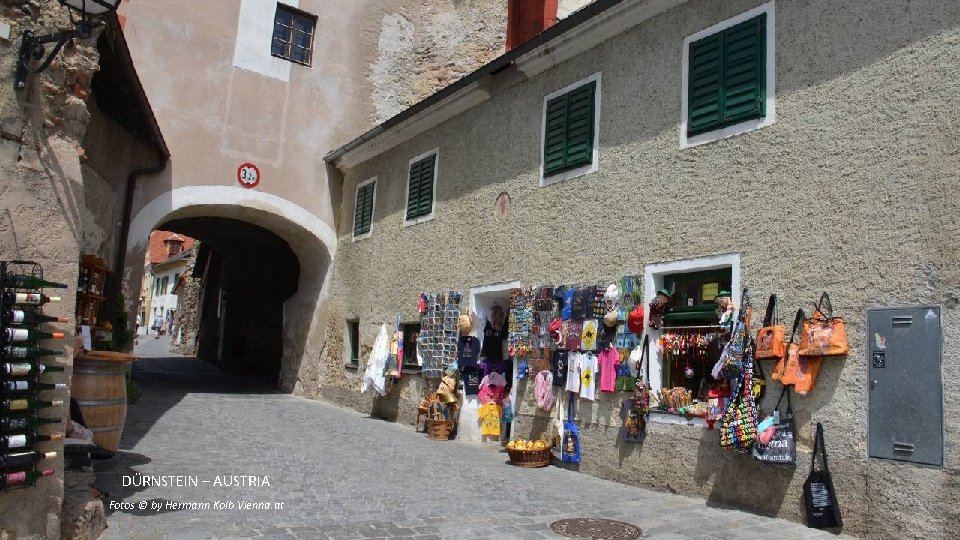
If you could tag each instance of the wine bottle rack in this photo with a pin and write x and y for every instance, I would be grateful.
(26, 477)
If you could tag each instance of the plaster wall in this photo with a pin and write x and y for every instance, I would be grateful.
(852, 190)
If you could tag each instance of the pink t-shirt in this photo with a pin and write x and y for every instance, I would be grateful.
(608, 371)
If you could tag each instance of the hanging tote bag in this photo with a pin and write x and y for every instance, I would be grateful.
(781, 448)
(819, 495)
(730, 363)
(823, 334)
(634, 411)
(785, 369)
(570, 451)
(770, 343)
(738, 428)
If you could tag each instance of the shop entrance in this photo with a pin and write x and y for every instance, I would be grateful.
(482, 301)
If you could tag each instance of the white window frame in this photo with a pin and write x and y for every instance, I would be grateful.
(770, 106)
(433, 204)
(373, 208)
(595, 158)
(653, 275)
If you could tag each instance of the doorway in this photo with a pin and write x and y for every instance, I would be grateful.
(482, 299)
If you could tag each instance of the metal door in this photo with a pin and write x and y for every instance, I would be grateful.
(905, 384)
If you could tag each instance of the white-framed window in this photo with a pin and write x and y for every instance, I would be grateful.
(729, 78)
(421, 187)
(653, 281)
(351, 352)
(570, 131)
(364, 203)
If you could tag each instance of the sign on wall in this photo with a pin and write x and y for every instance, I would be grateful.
(248, 175)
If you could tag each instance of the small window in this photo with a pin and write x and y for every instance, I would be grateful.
(693, 296)
(420, 187)
(410, 333)
(353, 342)
(568, 135)
(363, 209)
(293, 35)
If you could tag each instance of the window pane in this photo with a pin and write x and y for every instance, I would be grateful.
(284, 17)
(302, 24)
(301, 55)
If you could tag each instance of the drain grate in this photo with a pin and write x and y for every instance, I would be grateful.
(596, 529)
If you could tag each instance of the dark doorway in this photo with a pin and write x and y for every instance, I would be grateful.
(246, 273)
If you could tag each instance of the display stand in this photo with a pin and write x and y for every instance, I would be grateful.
(93, 276)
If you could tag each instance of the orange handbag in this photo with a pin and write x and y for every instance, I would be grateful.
(770, 343)
(795, 368)
(823, 334)
(785, 368)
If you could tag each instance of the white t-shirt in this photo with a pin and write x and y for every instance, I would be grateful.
(573, 371)
(588, 376)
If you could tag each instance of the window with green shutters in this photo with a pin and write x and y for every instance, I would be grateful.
(727, 77)
(363, 210)
(569, 130)
(420, 188)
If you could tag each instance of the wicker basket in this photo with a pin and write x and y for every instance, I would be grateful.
(439, 430)
(530, 458)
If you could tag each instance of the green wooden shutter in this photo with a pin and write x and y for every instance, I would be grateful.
(413, 191)
(744, 81)
(704, 84)
(580, 111)
(555, 135)
(425, 204)
(363, 213)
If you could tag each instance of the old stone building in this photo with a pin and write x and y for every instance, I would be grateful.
(833, 173)
(75, 141)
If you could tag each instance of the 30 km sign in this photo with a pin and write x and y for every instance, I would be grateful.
(248, 175)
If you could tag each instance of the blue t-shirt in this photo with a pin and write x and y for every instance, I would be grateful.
(468, 350)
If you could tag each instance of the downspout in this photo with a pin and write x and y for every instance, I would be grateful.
(121, 260)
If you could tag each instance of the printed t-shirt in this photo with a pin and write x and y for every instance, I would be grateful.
(471, 380)
(608, 372)
(573, 371)
(492, 388)
(566, 310)
(490, 419)
(574, 328)
(558, 366)
(588, 338)
(468, 348)
(493, 339)
(588, 376)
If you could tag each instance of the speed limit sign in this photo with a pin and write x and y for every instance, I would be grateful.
(248, 175)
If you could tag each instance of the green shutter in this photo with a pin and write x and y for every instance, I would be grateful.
(580, 126)
(569, 130)
(413, 191)
(727, 77)
(363, 213)
(555, 135)
(420, 190)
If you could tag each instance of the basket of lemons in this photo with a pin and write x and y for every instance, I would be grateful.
(524, 453)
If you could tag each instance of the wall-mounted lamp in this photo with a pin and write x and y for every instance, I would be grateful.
(32, 46)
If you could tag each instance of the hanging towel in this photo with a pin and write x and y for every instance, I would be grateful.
(374, 376)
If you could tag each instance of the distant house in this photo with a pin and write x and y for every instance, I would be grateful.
(164, 264)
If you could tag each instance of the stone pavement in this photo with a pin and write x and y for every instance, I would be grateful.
(339, 474)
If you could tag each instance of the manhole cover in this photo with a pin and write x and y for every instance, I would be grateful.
(596, 529)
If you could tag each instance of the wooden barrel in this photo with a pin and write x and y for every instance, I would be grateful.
(100, 388)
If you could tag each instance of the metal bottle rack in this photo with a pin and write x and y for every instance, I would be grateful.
(29, 268)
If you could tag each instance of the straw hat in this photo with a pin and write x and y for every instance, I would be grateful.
(465, 324)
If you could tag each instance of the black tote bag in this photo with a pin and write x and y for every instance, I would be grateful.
(782, 448)
(819, 495)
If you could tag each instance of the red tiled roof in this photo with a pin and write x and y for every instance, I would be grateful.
(158, 249)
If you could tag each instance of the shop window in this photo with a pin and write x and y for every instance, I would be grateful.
(570, 131)
(693, 296)
(421, 187)
(363, 209)
(293, 35)
(410, 333)
(353, 342)
(728, 77)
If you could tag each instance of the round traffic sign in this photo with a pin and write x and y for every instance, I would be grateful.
(248, 175)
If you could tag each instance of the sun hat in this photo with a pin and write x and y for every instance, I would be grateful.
(465, 324)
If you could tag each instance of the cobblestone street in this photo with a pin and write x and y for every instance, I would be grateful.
(340, 474)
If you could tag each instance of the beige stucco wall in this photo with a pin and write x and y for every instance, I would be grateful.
(852, 190)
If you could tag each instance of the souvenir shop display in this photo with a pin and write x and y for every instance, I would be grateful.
(819, 495)
(823, 334)
(439, 332)
(688, 353)
(738, 428)
(794, 368)
(588, 376)
(635, 411)
(657, 305)
(731, 359)
(570, 449)
(521, 321)
(770, 337)
(22, 365)
(777, 435)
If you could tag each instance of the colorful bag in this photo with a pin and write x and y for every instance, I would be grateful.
(785, 369)
(823, 334)
(781, 448)
(634, 411)
(626, 382)
(738, 428)
(819, 495)
(570, 451)
(543, 390)
(795, 368)
(730, 364)
(770, 343)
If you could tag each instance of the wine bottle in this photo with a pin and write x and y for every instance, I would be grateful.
(8, 405)
(10, 352)
(17, 316)
(13, 424)
(8, 387)
(27, 369)
(22, 281)
(23, 477)
(26, 460)
(26, 441)
(13, 335)
(27, 299)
